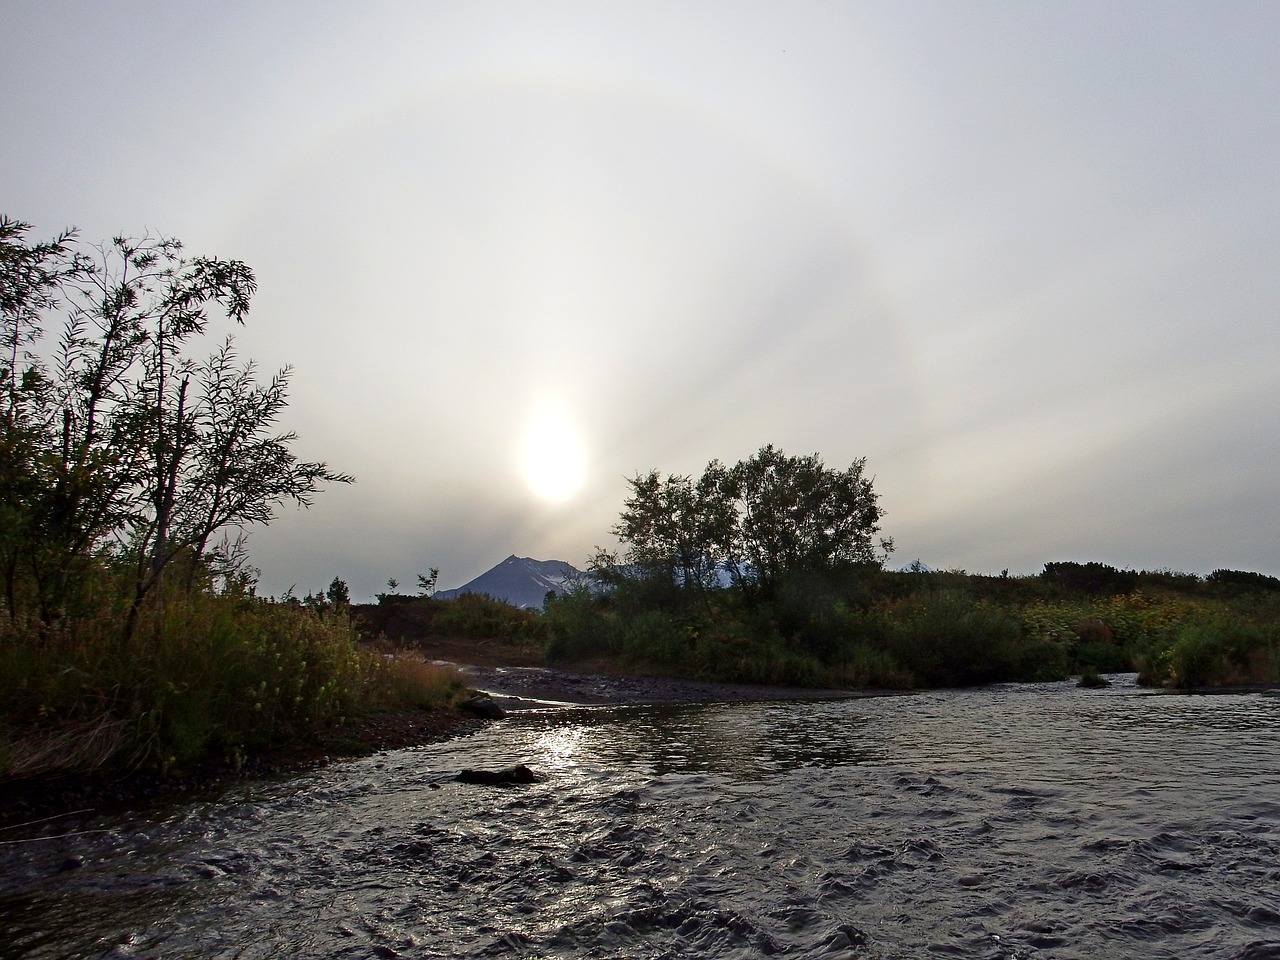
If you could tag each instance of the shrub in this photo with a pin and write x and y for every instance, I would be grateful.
(207, 676)
(1095, 649)
(732, 655)
(862, 665)
(480, 616)
(1089, 578)
(1237, 582)
(948, 639)
(581, 625)
(660, 638)
(1220, 652)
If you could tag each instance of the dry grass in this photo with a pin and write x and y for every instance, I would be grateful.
(408, 680)
(74, 747)
(207, 677)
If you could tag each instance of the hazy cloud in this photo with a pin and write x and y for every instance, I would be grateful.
(1022, 257)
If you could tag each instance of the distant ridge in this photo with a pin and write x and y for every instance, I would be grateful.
(520, 581)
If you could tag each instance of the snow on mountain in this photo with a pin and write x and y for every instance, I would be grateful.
(521, 581)
(916, 566)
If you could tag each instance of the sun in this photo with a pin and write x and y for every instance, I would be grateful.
(553, 459)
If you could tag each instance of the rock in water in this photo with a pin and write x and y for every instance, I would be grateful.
(485, 707)
(517, 774)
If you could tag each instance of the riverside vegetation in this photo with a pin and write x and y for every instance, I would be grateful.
(864, 626)
(771, 572)
(131, 636)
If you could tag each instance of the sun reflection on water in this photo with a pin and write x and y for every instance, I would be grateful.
(560, 748)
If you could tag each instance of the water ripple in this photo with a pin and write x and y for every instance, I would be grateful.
(1015, 821)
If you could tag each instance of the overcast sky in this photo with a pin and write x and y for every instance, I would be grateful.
(1023, 257)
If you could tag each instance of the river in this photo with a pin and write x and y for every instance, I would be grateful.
(1010, 821)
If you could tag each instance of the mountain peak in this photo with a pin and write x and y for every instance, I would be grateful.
(520, 581)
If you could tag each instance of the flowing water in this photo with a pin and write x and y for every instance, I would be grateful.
(1011, 821)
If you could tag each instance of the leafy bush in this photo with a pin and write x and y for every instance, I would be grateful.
(1221, 652)
(857, 626)
(481, 616)
(1089, 578)
(659, 638)
(580, 626)
(948, 639)
(1237, 582)
(862, 665)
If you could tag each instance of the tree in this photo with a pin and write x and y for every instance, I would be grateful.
(121, 445)
(760, 520)
(338, 594)
(31, 275)
(796, 515)
(427, 582)
(673, 527)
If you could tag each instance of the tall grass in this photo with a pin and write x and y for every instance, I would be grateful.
(204, 676)
(581, 625)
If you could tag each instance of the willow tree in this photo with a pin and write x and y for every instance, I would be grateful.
(116, 442)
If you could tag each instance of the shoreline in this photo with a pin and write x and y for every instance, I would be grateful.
(533, 687)
(42, 800)
(25, 801)
(511, 677)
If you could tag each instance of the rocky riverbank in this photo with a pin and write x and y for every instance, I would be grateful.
(517, 688)
(517, 676)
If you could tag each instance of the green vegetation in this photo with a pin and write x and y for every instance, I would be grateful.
(864, 626)
(207, 675)
(475, 616)
(768, 572)
(114, 441)
(130, 633)
(758, 522)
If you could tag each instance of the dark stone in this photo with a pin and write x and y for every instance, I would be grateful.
(484, 707)
(517, 774)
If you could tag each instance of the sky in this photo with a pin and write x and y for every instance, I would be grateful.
(1022, 257)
